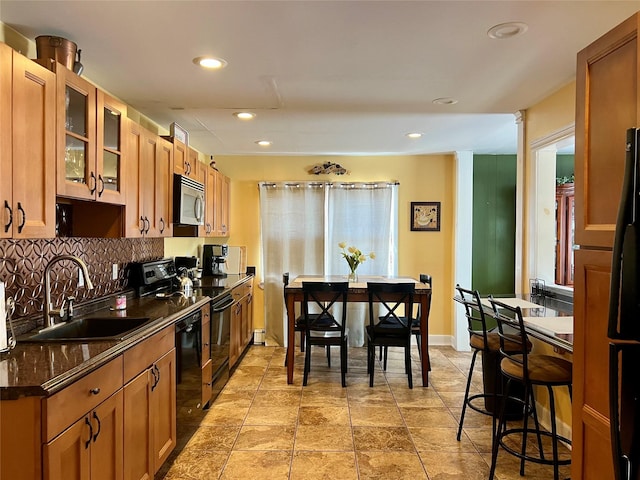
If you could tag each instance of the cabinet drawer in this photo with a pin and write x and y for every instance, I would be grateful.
(141, 356)
(68, 405)
(242, 290)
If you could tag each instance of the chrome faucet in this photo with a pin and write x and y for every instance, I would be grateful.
(49, 311)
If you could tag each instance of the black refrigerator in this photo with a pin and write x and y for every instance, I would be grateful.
(624, 322)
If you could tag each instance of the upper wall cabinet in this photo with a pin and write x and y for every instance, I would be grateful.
(185, 159)
(27, 147)
(90, 132)
(607, 104)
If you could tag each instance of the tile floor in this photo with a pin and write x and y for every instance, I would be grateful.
(261, 428)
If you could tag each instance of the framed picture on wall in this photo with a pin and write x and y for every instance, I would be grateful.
(425, 216)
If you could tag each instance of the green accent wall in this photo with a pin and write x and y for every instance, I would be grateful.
(494, 224)
(564, 165)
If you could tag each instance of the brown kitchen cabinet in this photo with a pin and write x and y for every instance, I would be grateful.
(149, 183)
(90, 130)
(82, 427)
(564, 234)
(208, 177)
(607, 92)
(184, 162)
(241, 321)
(222, 201)
(91, 448)
(149, 404)
(27, 147)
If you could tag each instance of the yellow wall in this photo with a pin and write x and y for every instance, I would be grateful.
(554, 113)
(421, 177)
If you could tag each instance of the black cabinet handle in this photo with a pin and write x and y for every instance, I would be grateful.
(101, 180)
(8, 207)
(147, 225)
(88, 442)
(142, 224)
(24, 217)
(155, 378)
(94, 391)
(162, 223)
(92, 190)
(99, 426)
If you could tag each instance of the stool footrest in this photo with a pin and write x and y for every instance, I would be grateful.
(529, 458)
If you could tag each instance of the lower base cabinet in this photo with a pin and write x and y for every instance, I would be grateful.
(241, 321)
(91, 447)
(150, 413)
(117, 422)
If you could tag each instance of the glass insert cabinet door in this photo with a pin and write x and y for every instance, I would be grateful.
(109, 160)
(90, 126)
(76, 127)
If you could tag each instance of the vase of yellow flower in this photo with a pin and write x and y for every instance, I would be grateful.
(354, 257)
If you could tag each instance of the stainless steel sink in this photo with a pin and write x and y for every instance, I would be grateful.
(89, 329)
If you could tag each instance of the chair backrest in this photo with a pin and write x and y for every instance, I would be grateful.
(514, 342)
(392, 296)
(323, 296)
(476, 320)
(425, 278)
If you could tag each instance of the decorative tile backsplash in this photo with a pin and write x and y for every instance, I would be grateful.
(22, 264)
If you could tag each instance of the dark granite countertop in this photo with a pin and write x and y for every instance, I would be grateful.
(41, 369)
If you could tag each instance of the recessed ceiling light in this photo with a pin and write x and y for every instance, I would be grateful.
(445, 101)
(210, 62)
(263, 143)
(245, 115)
(414, 135)
(503, 31)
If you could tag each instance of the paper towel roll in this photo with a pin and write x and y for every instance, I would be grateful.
(3, 319)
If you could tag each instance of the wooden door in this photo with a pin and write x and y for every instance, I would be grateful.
(163, 409)
(6, 191)
(138, 457)
(34, 149)
(180, 159)
(236, 333)
(76, 175)
(193, 164)
(134, 215)
(147, 184)
(164, 188)
(110, 120)
(67, 457)
(209, 179)
(107, 441)
(607, 104)
(591, 455)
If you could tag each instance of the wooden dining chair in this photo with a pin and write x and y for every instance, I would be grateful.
(393, 329)
(323, 328)
(415, 325)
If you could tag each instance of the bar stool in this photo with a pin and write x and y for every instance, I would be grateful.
(480, 340)
(529, 370)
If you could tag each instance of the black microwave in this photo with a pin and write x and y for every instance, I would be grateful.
(188, 201)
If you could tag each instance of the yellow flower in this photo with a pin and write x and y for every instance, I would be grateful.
(354, 257)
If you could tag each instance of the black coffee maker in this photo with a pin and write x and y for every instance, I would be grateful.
(214, 260)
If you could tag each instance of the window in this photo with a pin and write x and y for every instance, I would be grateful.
(302, 224)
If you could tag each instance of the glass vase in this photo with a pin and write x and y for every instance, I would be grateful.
(352, 277)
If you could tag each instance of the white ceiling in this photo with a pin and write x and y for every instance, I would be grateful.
(327, 77)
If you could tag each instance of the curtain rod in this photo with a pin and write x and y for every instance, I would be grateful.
(358, 185)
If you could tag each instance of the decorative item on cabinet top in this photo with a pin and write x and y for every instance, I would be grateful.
(59, 49)
(178, 132)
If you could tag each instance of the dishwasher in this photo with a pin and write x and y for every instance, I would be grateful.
(220, 340)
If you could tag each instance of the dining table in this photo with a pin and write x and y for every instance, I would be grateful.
(358, 293)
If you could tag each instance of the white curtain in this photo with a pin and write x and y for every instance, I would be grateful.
(363, 216)
(302, 224)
